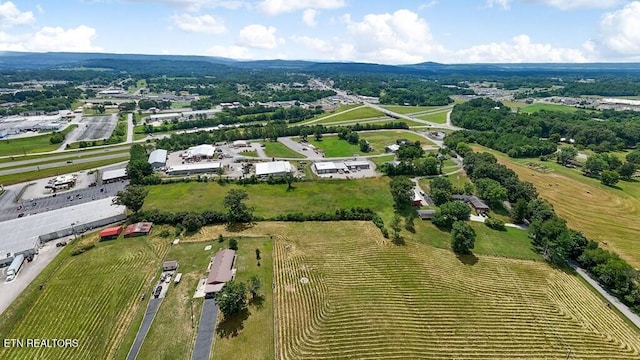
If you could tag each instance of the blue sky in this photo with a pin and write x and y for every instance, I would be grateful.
(380, 31)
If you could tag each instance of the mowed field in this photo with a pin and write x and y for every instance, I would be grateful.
(332, 146)
(92, 297)
(369, 299)
(279, 150)
(31, 145)
(605, 214)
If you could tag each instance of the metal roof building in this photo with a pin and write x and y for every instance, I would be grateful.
(221, 270)
(114, 175)
(197, 168)
(201, 151)
(274, 168)
(158, 158)
(23, 234)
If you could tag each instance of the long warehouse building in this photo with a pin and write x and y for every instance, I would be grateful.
(26, 234)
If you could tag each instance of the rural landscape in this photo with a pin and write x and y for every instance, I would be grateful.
(374, 207)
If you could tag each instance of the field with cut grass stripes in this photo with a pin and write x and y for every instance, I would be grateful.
(91, 297)
(369, 299)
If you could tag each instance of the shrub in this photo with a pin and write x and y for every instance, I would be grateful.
(495, 224)
(82, 248)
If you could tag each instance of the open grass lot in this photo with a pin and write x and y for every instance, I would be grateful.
(29, 145)
(457, 180)
(438, 118)
(33, 175)
(270, 200)
(277, 149)
(91, 297)
(379, 160)
(400, 109)
(335, 147)
(368, 299)
(548, 107)
(608, 215)
(351, 114)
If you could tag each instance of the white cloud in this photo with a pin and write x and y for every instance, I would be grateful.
(196, 5)
(10, 15)
(309, 17)
(231, 52)
(519, 50)
(620, 30)
(313, 44)
(51, 39)
(561, 4)
(275, 7)
(206, 24)
(499, 3)
(428, 5)
(401, 37)
(258, 36)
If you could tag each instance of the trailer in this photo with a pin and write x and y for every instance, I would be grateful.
(15, 267)
(177, 278)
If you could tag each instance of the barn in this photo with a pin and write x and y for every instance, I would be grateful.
(138, 229)
(426, 214)
(110, 233)
(221, 271)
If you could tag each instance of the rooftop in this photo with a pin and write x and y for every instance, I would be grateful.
(222, 267)
(158, 156)
(114, 174)
(274, 167)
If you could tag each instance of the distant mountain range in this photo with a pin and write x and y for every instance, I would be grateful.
(137, 63)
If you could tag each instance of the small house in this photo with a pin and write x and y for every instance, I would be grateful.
(171, 265)
(426, 214)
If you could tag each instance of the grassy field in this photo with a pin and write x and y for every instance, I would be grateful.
(33, 175)
(605, 214)
(548, 107)
(270, 200)
(334, 147)
(91, 297)
(409, 109)
(438, 118)
(383, 159)
(277, 149)
(368, 299)
(29, 145)
(351, 114)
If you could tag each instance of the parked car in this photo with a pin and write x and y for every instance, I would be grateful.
(156, 293)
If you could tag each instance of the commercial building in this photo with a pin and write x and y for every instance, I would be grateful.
(61, 182)
(110, 176)
(26, 234)
(138, 229)
(158, 158)
(197, 168)
(274, 168)
(333, 167)
(222, 271)
(200, 152)
(110, 233)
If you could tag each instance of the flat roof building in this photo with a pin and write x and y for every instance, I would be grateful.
(110, 176)
(201, 151)
(274, 168)
(158, 158)
(197, 168)
(221, 271)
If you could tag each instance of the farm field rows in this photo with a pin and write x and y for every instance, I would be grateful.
(368, 299)
(580, 200)
(91, 297)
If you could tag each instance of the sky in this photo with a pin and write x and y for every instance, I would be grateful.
(376, 31)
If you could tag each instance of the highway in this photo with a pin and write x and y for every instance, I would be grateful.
(79, 160)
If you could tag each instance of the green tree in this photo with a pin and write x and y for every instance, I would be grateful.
(401, 191)
(440, 196)
(192, 222)
(609, 177)
(232, 299)
(132, 197)
(551, 239)
(254, 286)
(491, 191)
(396, 227)
(233, 244)
(633, 157)
(627, 170)
(237, 210)
(567, 153)
(318, 135)
(463, 237)
(595, 165)
(442, 183)
(364, 146)
(450, 212)
(56, 138)
(258, 256)
(519, 211)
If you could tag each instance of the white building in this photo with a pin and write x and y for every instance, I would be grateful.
(274, 168)
(158, 158)
(198, 168)
(201, 151)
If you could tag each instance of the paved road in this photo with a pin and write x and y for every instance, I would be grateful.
(79, 160)
(206, 330)
(129, 128)
(610, 298)
(149, 315)
(64, 156)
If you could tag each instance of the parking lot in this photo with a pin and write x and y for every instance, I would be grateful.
(96, 127)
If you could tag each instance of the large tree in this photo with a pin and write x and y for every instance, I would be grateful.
(463, 238)
(450, 212)
(132, 197)
(609, 177)
(232, 299)
(491, 191)
(402, 191)
(627, 170)
(567, 153)
(237, 210)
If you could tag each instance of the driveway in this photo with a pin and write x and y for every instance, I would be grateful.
(149, 315)
(206, 331)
